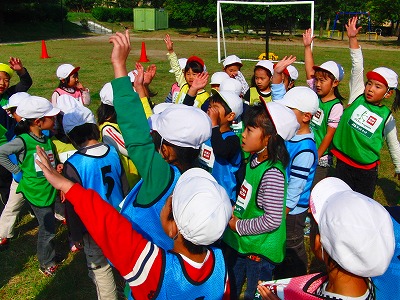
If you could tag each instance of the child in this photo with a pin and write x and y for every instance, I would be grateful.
(36, 114)
(260, 83)
(232, 65)
(194, 218)
(173, 93)
(221, 155)
(111, 134)
(280, 78)
(15, 201)
(366, 123)
(70, 85)
(300, 173)
(217, 78)
(257, 230)
(95, 166)
(171, 149)
(324, 79)
(353, 236)
(194, 67)
(7, 124)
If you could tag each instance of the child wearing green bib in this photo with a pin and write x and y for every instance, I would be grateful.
(366, 123)
(37, 114)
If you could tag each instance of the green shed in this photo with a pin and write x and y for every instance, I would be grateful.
(150, 19)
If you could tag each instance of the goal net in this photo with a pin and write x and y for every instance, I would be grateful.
(263, 30)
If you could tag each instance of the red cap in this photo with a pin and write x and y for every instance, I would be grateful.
(196, 59)
(376, 76)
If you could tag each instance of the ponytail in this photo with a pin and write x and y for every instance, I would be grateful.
(396, 102)
(23, 126)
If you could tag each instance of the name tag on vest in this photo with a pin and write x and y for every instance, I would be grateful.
(365, 121)
(318, 118)
(207, 156)
(50, 156)
(243, 198)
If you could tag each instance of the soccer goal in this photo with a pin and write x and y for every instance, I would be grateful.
(263, 30)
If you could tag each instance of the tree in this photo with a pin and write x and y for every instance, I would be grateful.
(383, 11)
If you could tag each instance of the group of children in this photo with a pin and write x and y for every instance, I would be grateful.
(196, 207)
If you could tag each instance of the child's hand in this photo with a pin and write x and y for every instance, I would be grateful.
(265, 293)
(121, 48)
(149, 74)
(58, 181)
(168, 43)
(16, 65)
(308, 38)
(200, 81)
(60, 168)
(213, 113)
(351, 27)
(232, 222)
(284, 63)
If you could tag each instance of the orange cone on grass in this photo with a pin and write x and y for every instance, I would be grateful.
(143, 56)
(44, 50)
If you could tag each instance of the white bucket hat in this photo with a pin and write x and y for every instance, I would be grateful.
(232, 59)
(332, 67)
(231, 85)
(356, 231)
(36, 107)
(302, 98)
(65, 70)
(16, 99)
(79, 116)
(292, 72)
(201, 207)
(266, 64)
(233, 101)
(106, 94)
(182, 125)
(218, 77)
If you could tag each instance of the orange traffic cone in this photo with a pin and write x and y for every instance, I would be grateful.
(143, 56)
(44, 50)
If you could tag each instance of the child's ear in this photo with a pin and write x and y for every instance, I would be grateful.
(388, 94)
(335, 83)
(307, 117)
(37, 122)
(231, 116)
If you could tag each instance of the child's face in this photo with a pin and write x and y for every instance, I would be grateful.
(190, 76)
(232, 70)
(287, 82)
(47, 123)
(375, 91)
(324, 85)
(262, 79)
(253, 139)
(167, 223)
(217, 107)
(73, 80)
(4, 82)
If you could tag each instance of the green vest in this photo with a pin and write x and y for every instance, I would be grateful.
(255, 97)
(3, 131)
(319, 122)
(33, 185)
(270, 245)
(360, 131)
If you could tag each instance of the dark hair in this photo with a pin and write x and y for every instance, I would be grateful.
(253, 78)
(192, 248)
(23, 126)
(216, 98)
(195, 66)
(82, 133)
(239, 65)
(60, 134)
(186, 157)
(326, 74)
(66, 80)
(396, 102)
(257, 116)
(105, 113)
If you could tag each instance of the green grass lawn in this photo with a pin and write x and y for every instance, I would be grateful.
(19, 277)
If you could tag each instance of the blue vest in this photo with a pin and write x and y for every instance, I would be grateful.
(387, 285)
(177, 285)
(222, 170)
(102, 174)
(146, 219)
(295, 148)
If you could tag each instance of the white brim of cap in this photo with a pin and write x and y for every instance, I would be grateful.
(322, 191)
(53, 112)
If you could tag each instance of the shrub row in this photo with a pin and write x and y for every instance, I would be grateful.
(104, 14)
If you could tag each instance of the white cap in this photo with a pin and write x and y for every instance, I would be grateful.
(332, 67)
(106, 94)
(218, 77)
(67, 103)
(16, 99)
(233, 101)
(65, 70)
(36, 107)
(201, 207)
(384, 75)
(231, 85)
(160, 107)
(266, 64)
(302, 98)
(182, 125)
(232, 59)
(283, 118)
(182, 63)
(356, 231)
(79, 116)
(132, 74)
(292, 71)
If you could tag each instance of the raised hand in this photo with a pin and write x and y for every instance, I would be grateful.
(284, 63)
(149, 74)
(200, 81)
(351, 27)
(16, 64)
(168, 43)
(308, 37)
(121, 48)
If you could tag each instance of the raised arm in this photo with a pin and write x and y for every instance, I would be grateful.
(308, 38)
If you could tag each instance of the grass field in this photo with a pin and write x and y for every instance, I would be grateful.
(19, 276)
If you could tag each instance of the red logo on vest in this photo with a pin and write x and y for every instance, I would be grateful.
(371, 120)
(243, 192)
(317, 114)
(206, 154)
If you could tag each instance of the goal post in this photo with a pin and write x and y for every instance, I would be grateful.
(250, 38)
